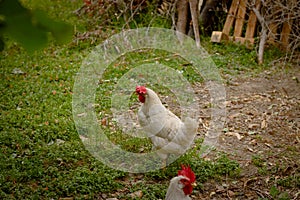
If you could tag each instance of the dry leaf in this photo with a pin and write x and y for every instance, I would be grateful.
(230, 193)
(83, 138)
(253, 142)
(17, 71)
(268, 145)
(104, 122)
(234, 115)
(251, 132)
(237, 135)
(252, 126)
(81, 115)
(212, 194)
(247, 182)
(298, 139)
(250, 149)
(136, 194)
(220, 189)
(263, 124)
(59, 141)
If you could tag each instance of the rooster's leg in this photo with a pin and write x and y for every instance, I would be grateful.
(165, 162)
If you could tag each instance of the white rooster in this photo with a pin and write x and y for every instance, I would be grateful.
(167, 132)
(181, 186)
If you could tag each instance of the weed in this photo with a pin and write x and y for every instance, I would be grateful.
(277, 194)
(258, 161)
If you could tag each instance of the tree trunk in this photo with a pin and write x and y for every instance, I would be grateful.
(194, 13)
(262, 42)
(182, 9)
(263, 36)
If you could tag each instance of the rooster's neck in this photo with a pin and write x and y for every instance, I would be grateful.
(152, 97)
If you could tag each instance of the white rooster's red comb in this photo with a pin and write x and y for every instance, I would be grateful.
(186, 171)
(141, 89)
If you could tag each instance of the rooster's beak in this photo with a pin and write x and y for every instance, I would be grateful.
(194, 184)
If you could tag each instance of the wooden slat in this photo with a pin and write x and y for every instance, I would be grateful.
(230, 17)
(246, 41)
(285, 34)
(252, 21)
(273, 31)
(239, 22)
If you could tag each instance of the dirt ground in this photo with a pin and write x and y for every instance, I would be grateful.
(262, 132)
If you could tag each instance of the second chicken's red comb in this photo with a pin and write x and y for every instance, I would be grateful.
(187, 172)
(141, 89)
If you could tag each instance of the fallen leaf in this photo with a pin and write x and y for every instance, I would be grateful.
(247, 182)
(234, 115)
(59, 141)
(81, 115)
(237, 135)
(136, 194)
(271, 106)
(250, 149)
(104, 122)
(252, 132)
(267, 180)
(288, 171)
(230, 193)
(212, 194)
(252, 126)
(17, 71)
(220, 188)
(263, 124)
(253, 142)
(83, 138)
(268, 145)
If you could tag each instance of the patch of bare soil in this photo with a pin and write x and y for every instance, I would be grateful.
(262, 132)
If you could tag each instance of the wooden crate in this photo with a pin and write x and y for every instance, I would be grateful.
(236, 17)
(279, 34)
(284, 33)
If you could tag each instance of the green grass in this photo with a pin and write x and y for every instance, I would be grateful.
(35, 112)
(41, 153)
(42, 156)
